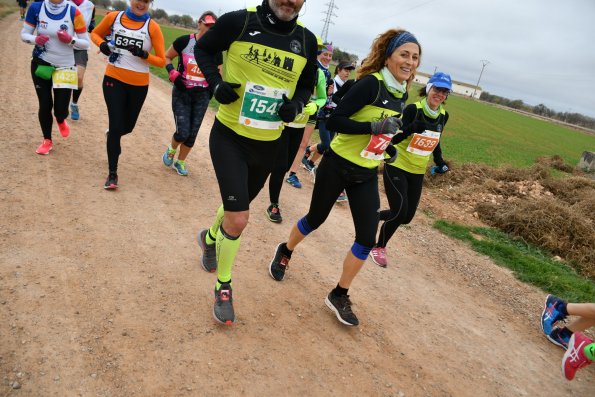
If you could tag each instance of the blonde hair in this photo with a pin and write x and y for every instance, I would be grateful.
(376, 59)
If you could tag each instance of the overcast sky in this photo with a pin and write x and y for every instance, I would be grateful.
(540, 51)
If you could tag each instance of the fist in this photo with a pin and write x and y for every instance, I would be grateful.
(41, 39)
(64, 36)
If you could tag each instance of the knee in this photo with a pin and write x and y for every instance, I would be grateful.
(361, 251)
(234, 223)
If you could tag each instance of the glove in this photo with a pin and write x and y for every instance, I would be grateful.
(64, 36)
(439, 169)
(289, 109)
(311, 108)
(417, 127)
(224, 92)
(91, 26)
(41, 39)
(105, 49)
(392, 152)
(388, 126)
(138, 52)
(173, 75)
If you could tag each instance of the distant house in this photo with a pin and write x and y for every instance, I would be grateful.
(457, 87)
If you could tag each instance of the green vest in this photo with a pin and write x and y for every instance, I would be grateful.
(385, 105)
(266, 65)
(415, 163)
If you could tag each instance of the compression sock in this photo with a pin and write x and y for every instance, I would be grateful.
(227, 248)
(212, 234)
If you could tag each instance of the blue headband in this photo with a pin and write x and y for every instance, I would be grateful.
(399, 40)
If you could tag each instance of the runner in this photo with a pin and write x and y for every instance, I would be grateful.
(22, 8)
(424, 123)
(190, 93)
(126, 80)
(370, 107)
(270, 59)
(81, 57)
(56, 28)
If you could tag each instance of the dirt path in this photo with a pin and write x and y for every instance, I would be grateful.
(101, 293)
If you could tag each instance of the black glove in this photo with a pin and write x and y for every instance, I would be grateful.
(392, 152)
(179, 83)
(104, 48)
(289, 109)
(389, 125)
(138, 52)
(224, 92)
(91, 26)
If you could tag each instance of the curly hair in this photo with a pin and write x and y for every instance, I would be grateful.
(376, 59)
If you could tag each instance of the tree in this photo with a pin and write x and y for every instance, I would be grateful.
(103, 3)
(187, 21)
(119, 5)
(159, 13)
(175, 19)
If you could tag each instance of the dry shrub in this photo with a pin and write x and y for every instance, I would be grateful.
(550, 224)
(571, 189)
(556, 162)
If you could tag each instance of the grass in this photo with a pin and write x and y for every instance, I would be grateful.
(529, 264)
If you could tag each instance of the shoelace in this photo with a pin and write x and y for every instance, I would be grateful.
(345, 303)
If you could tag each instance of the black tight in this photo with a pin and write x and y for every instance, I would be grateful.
(58, 102)
(289, 143)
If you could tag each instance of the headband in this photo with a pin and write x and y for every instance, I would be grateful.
(399, 40)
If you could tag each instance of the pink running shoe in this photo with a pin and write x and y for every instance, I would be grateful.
(378, 255)
(45, 147)
(574, 358)
(64, 129)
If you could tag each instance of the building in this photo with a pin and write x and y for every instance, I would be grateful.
(457, 87)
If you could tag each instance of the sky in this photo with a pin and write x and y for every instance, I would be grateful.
(540, 51)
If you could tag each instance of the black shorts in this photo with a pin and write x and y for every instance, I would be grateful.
(242, 165)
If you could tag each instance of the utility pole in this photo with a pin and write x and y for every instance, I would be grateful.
(328, 15)
(484, 62)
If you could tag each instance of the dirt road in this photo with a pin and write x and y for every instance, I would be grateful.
(101, 293)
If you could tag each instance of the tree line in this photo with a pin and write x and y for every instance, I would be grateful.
(540, 110)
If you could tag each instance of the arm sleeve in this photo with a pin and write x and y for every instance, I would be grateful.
(408, 117)
(308, 78)
(103, 29)
(320, 89)
(362, 93)
(438, 160)
(158, 59)
(81, 41)
(27, 34)
(218, 39)
(337, 96)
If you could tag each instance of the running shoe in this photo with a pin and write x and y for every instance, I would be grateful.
(180, 167)
(168, 156)
(45, 147)
(64, 129)
(274, 213)
(223, 308)
(342, 197)
(208, 259)
(378, 255)
(557, 339)
(341, 305)
(574, 358)
(74, 111)
(279, 264)
(307, 164)
(294, 181)
(111, 183)
(550, 314)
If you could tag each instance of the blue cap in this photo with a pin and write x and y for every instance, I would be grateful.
(441, 80)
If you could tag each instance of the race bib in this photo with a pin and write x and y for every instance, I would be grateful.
(126, 38)
(65, 78)
(424, 144)
(260, 105)
(193, 72)
(376, 147)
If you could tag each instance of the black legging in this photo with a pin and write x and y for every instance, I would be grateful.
(58, 102)
(361, 184)
(403, 191)
(124, 103)
(289, 144)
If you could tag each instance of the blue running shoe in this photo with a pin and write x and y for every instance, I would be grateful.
(294, 181)
(180, 166)
(74, 111)
(550, 314)
(558, 339)
(168, 156)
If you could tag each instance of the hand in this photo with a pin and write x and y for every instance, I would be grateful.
(311, 108)
(392, 152)
(224, 92)
(105, 48)
(64, 36)
(179, 83)
(289, 109)
(41, 39)
(173, 75)
(138, 52)
(417, 127)
(388, 126)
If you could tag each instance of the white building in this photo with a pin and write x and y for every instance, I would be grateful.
(457, 87)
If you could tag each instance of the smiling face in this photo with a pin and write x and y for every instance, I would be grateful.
(403, 62)
(140, 7)
(286, 10)
(436, 96)
(325, 58)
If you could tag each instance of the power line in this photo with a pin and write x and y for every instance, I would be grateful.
(329, 14)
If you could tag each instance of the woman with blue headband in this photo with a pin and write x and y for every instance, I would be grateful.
(365, 121)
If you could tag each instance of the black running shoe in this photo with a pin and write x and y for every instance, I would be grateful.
(279, 264)
(274, 213)
(223, 309)
(111, 182)
(208, 259)
(341, 305)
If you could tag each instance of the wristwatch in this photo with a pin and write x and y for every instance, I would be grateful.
(72, 42)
